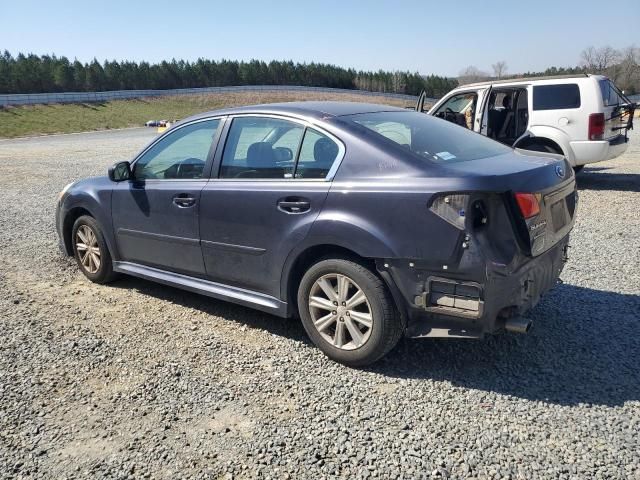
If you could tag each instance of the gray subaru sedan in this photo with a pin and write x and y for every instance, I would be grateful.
(366, 222)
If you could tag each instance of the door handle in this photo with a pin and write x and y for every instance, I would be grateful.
(184, 200)
(294, 205)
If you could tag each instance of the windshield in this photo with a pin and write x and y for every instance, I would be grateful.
(431, 138)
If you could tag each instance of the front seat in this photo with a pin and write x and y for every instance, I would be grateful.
(260, 154)
(260, 158)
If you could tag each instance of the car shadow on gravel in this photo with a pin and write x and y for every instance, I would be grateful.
(597, 180)
(243, 316)
(584, 347)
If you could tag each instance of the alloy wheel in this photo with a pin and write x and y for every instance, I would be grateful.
(88, 249)
(340, 311)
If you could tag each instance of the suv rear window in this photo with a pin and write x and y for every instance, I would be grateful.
(609, 92)
(556, 97)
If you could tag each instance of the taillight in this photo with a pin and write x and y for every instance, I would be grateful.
(528, 204)
(596, 126)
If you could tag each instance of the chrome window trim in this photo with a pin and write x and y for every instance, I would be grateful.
(305, 123)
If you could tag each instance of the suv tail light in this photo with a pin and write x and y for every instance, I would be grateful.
(596, 126)
(528, 204)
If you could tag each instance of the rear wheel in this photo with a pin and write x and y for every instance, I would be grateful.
(347, 312)
(90, 250)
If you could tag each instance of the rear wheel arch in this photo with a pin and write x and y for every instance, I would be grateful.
(316, 253)
(544, 143)
(310, 256)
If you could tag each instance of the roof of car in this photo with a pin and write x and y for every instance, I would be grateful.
(309, 109)
(525, 79)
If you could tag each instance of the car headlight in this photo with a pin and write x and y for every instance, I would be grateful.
(64, 190)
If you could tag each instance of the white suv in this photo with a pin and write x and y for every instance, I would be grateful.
(583, 117)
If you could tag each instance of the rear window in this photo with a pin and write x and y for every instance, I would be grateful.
(556, 97)
(610, 96)
(430, 138)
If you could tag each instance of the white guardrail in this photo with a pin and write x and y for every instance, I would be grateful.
(92, 97)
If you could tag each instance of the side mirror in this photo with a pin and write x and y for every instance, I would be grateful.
(119, 172)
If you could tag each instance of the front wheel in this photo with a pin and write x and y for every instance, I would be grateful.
(90, 250)
(347, 312)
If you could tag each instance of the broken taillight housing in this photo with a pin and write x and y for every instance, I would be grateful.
(451, 208)
(528, 204)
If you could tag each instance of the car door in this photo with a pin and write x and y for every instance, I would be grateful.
(421, 105)
(155, 214)
(273, 178)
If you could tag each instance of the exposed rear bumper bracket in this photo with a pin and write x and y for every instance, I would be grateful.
(451, 297)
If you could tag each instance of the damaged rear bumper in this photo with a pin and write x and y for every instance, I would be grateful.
(473, 303)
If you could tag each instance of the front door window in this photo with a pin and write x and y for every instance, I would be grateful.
(180, 155)
(459, 109)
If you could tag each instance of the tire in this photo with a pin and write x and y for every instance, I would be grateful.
(541, 147)
(375, 317)
(85, 227)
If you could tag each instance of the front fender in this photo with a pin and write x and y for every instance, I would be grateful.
(94, 196)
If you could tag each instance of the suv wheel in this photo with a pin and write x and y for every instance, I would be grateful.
(347, 312)
(542, 147)
(90, 250)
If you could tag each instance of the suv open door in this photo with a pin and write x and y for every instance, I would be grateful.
(420, 104)
(618, 111)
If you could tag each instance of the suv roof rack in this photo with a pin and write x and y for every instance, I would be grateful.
(520, 79)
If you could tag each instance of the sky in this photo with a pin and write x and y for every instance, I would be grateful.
(440, 37)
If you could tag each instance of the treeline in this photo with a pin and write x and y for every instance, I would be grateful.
(404, 82)
(49, 73)
(621, 66)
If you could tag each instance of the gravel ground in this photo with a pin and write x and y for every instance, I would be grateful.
(136, 380)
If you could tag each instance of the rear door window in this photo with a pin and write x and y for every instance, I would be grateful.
(317, 155)
(272, 148)
(261, 147)
(556, 97)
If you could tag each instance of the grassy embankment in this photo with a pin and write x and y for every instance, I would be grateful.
(68, 118)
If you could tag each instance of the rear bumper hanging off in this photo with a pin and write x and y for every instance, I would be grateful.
(443, 305)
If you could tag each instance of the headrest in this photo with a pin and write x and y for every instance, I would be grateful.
(260, 153)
